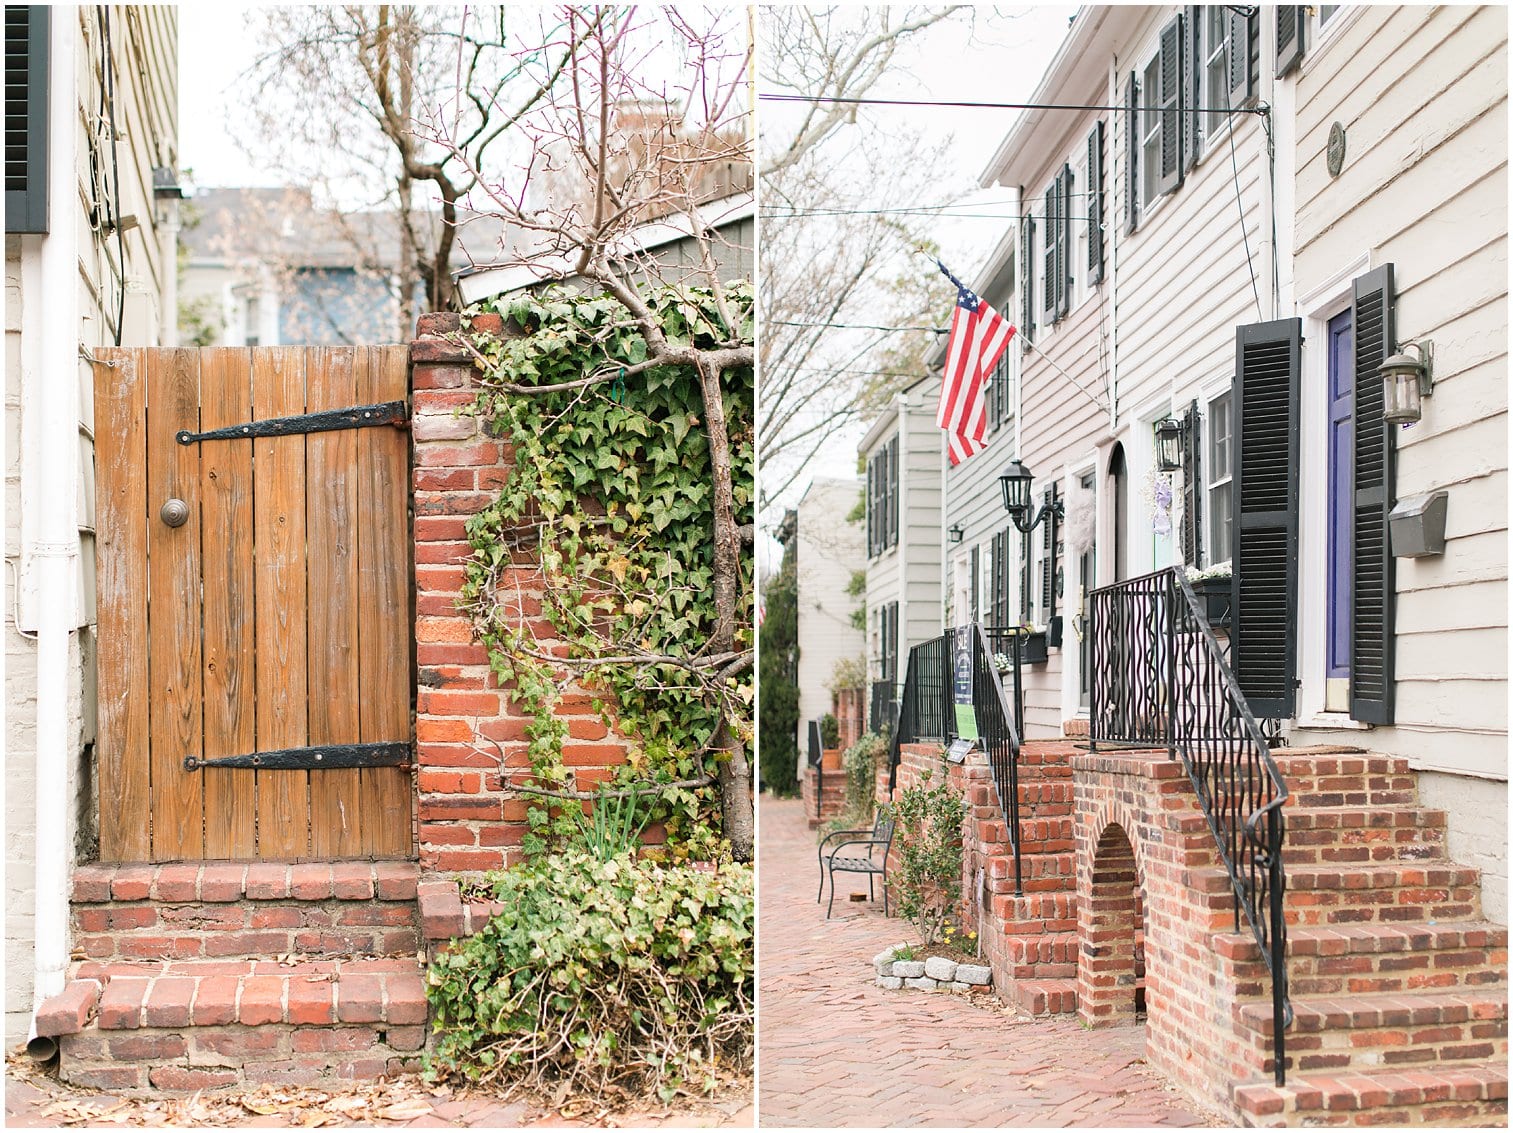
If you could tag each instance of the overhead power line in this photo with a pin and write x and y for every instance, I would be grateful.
(1261, 109)
(854, 326)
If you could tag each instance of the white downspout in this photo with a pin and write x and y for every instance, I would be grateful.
(52, 555)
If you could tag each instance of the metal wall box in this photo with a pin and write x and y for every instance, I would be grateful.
(1417, 525)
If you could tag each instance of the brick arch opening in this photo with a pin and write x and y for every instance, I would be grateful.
(1111, 936)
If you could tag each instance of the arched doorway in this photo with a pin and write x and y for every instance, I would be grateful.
(1118, 473)
(1111, 936)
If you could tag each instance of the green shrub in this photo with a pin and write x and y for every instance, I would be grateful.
(830, 731)
(859, 761)
(927, 830)
(620, 974)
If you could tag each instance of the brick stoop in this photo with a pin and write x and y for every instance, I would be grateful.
(1030, 940)
(196, 975)
(1399, 989)
(833, 795)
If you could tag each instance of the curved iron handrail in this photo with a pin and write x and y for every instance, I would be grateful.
(1185, 696)
(997, 727)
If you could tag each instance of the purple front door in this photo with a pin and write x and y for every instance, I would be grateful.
(1341, 495)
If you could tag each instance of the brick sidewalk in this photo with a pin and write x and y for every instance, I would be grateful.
(835, 1050)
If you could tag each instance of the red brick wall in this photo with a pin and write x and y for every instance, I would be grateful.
(470, 734)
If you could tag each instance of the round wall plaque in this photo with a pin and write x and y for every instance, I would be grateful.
(1334, 153)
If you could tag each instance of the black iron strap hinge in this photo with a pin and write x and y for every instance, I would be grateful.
(325, 421)
(329, 757)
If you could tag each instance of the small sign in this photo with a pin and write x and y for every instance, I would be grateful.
(966, 715)
(957, 752)
(1334, 151)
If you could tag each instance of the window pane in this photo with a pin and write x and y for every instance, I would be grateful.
(1219, 521)
(1219, 437)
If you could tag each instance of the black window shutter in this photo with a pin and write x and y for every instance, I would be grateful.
(1289, 38)
(1193, 49)
(976, 575)
(1025, 613)
(1027, 281)
(1064, 245)
(1052, 240)
(1048, 556)
(1095, 204)
(1132, 154)
(26, 72)
(893, 492)
(1264, 638)
(1240, 78)
(1169, 98)
(1371, 648)
(1192, 490)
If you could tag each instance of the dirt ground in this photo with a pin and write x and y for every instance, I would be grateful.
(35, 1098)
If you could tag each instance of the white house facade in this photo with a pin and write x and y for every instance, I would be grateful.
(830, 549)
(91, 200)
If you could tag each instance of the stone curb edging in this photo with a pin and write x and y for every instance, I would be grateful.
(934, 973)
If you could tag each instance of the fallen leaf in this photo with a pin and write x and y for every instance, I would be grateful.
(405, 1110)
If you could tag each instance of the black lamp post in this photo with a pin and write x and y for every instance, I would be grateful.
(1015, 482)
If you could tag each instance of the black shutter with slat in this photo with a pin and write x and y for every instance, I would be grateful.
(1025, 612)
(1193, 48)
(1132, 154)
(1169, 98)
(1064, 245)
(1095, 205)
(1048, 556)
(872, 507)
(1192, 490)
(975, 584)
(1265, 530)
(1027, 280)
(26, 76)
(894, 491)
(1241, 77)
(1371, 641)
(1052, 248)
(1289, 38)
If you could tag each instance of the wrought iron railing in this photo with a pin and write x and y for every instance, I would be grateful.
(883, 711)
(817, 765)
(927, 712)
(1161, 679)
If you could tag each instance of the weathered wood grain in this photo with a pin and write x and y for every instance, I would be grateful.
(121, 543)
(230, 649)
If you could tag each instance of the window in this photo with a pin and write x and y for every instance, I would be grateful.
(882, 499)
(999, 612)
(1000, 393)
(1214, 52)
(888, 644)
(1327, 11)
(1220, 470)
(1150, 131)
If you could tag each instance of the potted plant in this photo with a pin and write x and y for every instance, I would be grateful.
(830, 742)
(1212, 587)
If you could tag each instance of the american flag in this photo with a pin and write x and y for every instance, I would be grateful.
(979, 335)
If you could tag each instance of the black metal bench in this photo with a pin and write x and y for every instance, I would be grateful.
(833, 862)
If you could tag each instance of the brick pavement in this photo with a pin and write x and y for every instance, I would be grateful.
(836, 1050)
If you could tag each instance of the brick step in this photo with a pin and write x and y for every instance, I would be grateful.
(1324, 777)
(1344, 835)
(1037, 912)
(1472, 1094)
(1399, 893)
(195, 1024)
(1372, 1032)
(1370, 958)
(1049, 955)
(1044, 996)
(219, 910)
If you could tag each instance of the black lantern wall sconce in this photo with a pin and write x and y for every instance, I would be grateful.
(1015, 481)
(1406, 381)
(1169, 440)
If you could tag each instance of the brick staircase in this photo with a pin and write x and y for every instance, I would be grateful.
(833, 795)
(1031, 940)
(1399, 988)
(189, 976)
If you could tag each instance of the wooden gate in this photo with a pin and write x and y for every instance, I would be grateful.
(265, 636)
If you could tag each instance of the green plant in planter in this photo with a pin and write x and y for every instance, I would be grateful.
(859, 761)
(927, 830)
(830, 731)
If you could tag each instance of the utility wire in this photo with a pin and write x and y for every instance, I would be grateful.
(854, 326)
(1261, 109)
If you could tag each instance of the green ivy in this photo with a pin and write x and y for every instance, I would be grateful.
(611, 493)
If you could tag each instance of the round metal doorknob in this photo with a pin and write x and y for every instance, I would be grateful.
(175, 513)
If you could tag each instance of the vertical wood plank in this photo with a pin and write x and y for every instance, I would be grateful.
(226, 550)
(278, 390)
(121, 538)
(173, 471)
(384, 557)
(331, 505)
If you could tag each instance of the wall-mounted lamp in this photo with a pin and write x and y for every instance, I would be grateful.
(1015, 481)
(956, 533)
(1406, 381)
(1169, 445)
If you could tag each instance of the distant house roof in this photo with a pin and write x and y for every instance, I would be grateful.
(481, 281)
(236, 224)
